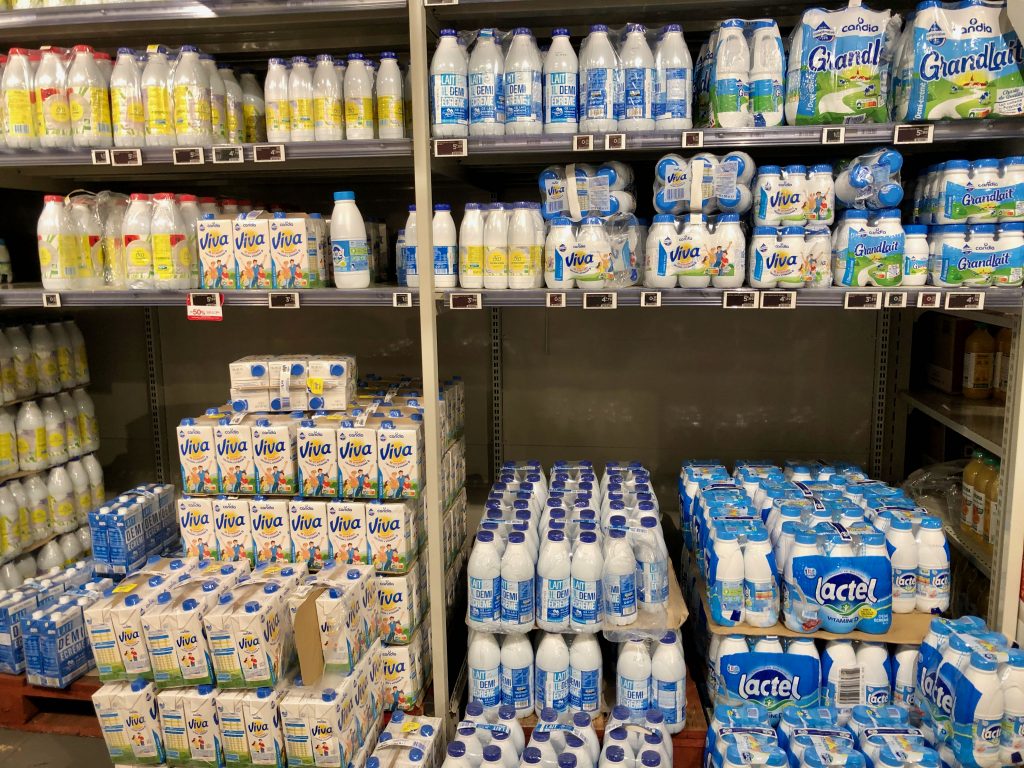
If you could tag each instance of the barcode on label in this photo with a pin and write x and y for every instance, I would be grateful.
(850, 688)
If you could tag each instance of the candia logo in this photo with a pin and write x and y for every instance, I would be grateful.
(990, 58)
(249, 242)
(860, 26)
(355, 449)
(379, 525)
(198, 725)
(845, 588)
(342, 524)
(768, 684)
(975, 26)
(906, 581)
(193, 448)
(230, 523)
(287, 242)
(214, 243)
(935, 34)
(307, 524)
(824, 33)
(270, 450)
(823, 58)
(314, 449)
(267, 523)
(393, 599)
(232, 448)
(187, 641)
(192, 521)
(322, 730)
(392, 451)
(135, 722)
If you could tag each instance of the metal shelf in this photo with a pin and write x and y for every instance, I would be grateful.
(974, 552)
(218, 26)
(980, 421)
(32, 296)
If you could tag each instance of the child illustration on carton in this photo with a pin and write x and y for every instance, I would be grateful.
(200, 549)
(272, 552)
(273, 479)
(310, 553)
(199, 481)
(290, 277)
(397, 485)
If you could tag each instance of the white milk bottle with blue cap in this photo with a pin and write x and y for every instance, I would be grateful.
(977, 742)
(668, 682)
(769, 181)
(524, 114)
(279, 115)
(933, 575)
(517, 674)
(586, 606)
(651, 564)
(599, 65)
(486, 86)
(585, 667)
(903, 554)
(558, 246)
(590, 261)
(673, 81)
(358, 93)
(517, 585)
(552, 663)
(693, 253)
(446, 248)
(234, 114)
(915, 254)
(390, 103)
(190, 94)
(495, 247)
(762, 253)
(484, 662)
(474, 751)
(561, 83)
(328, 117)
(767, 101)
(619, 579)
(841, 678)
(904, 669)
(449, 103)
(471, 248)
(636, 65)
(300, 99)
(1011, 739)
(760, 588)
(660, 250)
(728, 252)
(732, 66)
(554, 583)
(507, 717)
(820, 194)
(484, 572)
(349, 249)
(633, 677)
(873, 659)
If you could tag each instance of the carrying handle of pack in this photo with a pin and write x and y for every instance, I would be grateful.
(572, 193)
(854, 4)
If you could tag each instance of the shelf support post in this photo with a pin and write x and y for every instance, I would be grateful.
(1004, 589)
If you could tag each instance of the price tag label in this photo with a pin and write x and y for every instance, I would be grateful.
(913, 134)
(268, 153)
(583, 143)
(429, 3)
(283, 300)
(603, 300)
(126, 157)
(554, 300)
(929, 300)
(833, 135)
(229, 154)
(778, 300)
(863, 300)
(451, 147)
(51, 300)
(205, 306)
(741, 300)
(101, 157)
(188, 156)
(465, 301)
(650, 299)
(895, 300)
(401, 299)
(614, 141)
(965, 300)
(693, 139)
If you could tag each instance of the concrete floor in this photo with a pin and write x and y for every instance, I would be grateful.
(19, 749)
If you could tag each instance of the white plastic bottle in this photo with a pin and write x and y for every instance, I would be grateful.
(58, 247)
(1011, 739)
(172, 264)
(518, 600)
(837, 660)
(157, 105)
(86, 227)
(234, 113)
(633, 677)
(32, 445)
(619, 580)
(637, 67)
(89, 101)
(39, 508)
(95, 474)
(349, 250)
(254, 109)
(585, 667)
(561, 83)
(520, 241)
(446, 248)
(558, 246)
(81, 489)
(62, 500)
(51, 96)
(20, 124)
(471, 248)
(590, 263)
(694, 246)
(933, 575)
(484, 573)
(87, 425)
(8, 444)
(50, 557)
(218, 99)
(728, 252)
(484, 662)
(390, 104)
(358, 92)
(136, 234)
(517, 674)
(984, 733)
(188, 207)
(904, 675)
(486, 87)
(553, 583)
(903, 553)
(300, 99)
(599, 66)
(873, 659)
(25, 375)
(278, 103)
(56, 437)
(190, 98)
(524, 114)
(495, 247)
(586, 605)
(760, 588)
(668, 682)
(449, 89)
(24, 514)
(766, 75)
(72, 435)
(10, 539)
(328, 117)
(127, 110)
(673, 81)
(45, 353)
(732, 107)
(8, 374)
(552, 665)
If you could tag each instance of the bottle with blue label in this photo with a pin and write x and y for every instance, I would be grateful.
(561, 85)
(673, 81)
(449, 87)
(524, 113)
(599, 66)
(637, 77)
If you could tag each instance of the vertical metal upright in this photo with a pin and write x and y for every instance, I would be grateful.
(428, 352)
(1004, 592)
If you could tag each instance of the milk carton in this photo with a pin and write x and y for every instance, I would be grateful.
(287, 576)
(198, 534)
(236, 467)
(56, 645)
(347, 616)
(232, 529)
(250, 727)
(253, 262)
(273, 445)
(307, 523)
(317, 450)
(293, 250)
(249, 400)
(174, 634)
(234, 738)
(227, 574)
(403, 678)
(357, 458)
(196, 453)
(218, 268)
(312, 723)
(191, 726)
(114, 625)
(247, 638)
(405, 733)
(401, 607)
(250, 373)
(346, 532)
(392, 533)
(270, 533)
(13, 607)
(128, 719)
(400, 456)
(331, 382)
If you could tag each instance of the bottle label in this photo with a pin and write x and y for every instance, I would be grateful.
(191, 110)
(620, 594)
(448, 98)
(1012, 732)
(279, 116)
(358, 113)
(560, 97)
(519, 261)
(486, 98)
(167, 256)
(302, 114)
(585, 602)
(54, 115)
(410, 260)
(669, 699)
(634, 695)
(350, 255)
(497, 262)
(553, 689)
(637, 93)
(598, 97)
(485, 686)
(978, 370)
(218, 117)
(904, 584)
(390, 112)
(62, 509)
(21, 120)
(472, 261)
(523, 97)
(7, 446)
(517, 687)
(517, 601)
(765, 97)
(138, 252)
(584, 689)
(652, 581)
(254, 128)
(327, 113)
(673, 93)
(55, 444)
(444, 259)
(127, 112)
(553, 599)
(484, 599)
(876, 695)
(32, 445)
(730, 94)
(157, 104)
(933, 583)
(761, 597)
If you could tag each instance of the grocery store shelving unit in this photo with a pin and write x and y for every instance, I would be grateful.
(709, 374)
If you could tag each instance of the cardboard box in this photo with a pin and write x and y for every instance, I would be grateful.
(946, 350)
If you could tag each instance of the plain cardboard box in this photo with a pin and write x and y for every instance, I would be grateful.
(946, 336)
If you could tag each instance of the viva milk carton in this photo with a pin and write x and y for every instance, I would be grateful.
(246, 636)
(196, 452)
(128, 719)
(270, 531)
(253, 262)
(294, 252)
(191, 726)
(312, 722)
(273, 447)
(400, 455)
(232, 530)
(218, 269)
(307, 523)
(174, 634)
(236, 467)
(250, 727)
(357, 458)
(114, 624)
(346, 532)
(392, 532)
(198, 535)
(317, 458)
(838, 66)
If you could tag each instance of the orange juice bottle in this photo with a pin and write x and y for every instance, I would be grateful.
(967, 487)
(1001, 377)
(979, 360)
(991, 507)
(979, 505)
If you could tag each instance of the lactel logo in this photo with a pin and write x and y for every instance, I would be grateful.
(845, 588)
(768, 683)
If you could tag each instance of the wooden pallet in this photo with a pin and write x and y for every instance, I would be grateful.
(67, 711)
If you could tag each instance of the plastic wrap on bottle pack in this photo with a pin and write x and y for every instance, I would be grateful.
(870, 181)
(956, 61)
(579, 189)
(976, 255)
(868, 249)
(704, 183)
(839, 64)
(794, 195)
(985, 191)
(686, 251)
